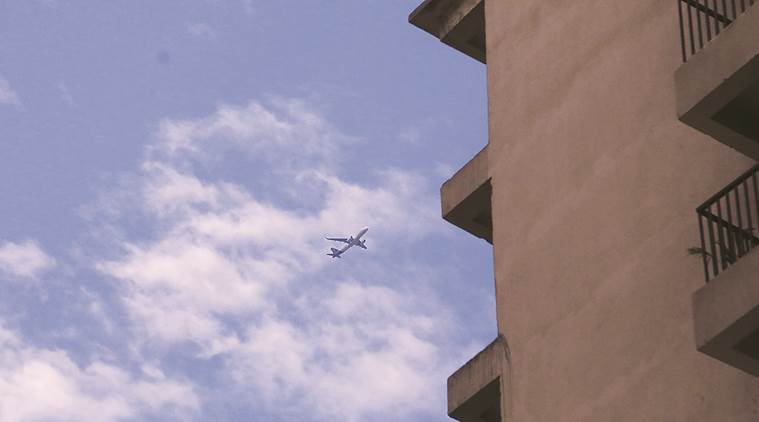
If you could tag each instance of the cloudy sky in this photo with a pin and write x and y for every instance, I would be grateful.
(168, 172)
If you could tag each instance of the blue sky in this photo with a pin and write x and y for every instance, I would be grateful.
(168, 171)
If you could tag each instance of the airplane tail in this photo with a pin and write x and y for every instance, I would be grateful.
(335, 253)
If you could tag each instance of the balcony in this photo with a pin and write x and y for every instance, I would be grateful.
(726, 309)
(465, 198)
(475, 389)
(458, 23)
(726, 224)
(717, 86)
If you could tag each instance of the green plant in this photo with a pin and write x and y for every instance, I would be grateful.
(727, 254)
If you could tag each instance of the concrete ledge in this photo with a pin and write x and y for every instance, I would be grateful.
(465, 198)
(718, 88)
(458, 23)
(726, 315)
(475, 389)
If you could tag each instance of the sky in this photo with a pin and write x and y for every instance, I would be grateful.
(168, 173)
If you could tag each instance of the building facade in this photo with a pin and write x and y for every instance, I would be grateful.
(618, 188)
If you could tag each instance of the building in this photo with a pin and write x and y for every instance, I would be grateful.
(610, 122)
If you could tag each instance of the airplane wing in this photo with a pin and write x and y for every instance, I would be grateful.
(338, 239)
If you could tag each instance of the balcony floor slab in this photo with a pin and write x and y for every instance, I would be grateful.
(726, 315)
(718, 88)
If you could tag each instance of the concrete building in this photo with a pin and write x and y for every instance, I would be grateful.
(610, 122)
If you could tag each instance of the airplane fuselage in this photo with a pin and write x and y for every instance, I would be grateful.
(356, 241)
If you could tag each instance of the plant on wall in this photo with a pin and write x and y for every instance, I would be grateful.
(727, 254)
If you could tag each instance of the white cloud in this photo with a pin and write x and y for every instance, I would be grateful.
(7, 95)
(24, 259)
(288, 129)
(411, 135)
(39, 384)
(201, 29)
(236, 271)
(369, 354)
(65, 94)
(248, 6)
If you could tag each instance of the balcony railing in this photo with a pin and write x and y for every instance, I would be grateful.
(702, 20)
(728, 223)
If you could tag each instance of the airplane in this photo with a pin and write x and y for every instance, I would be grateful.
(350, 241)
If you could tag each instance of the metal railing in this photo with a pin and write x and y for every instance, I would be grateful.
(728, 223)
(702, 20)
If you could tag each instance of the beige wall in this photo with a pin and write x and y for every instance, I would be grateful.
(595, 183)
